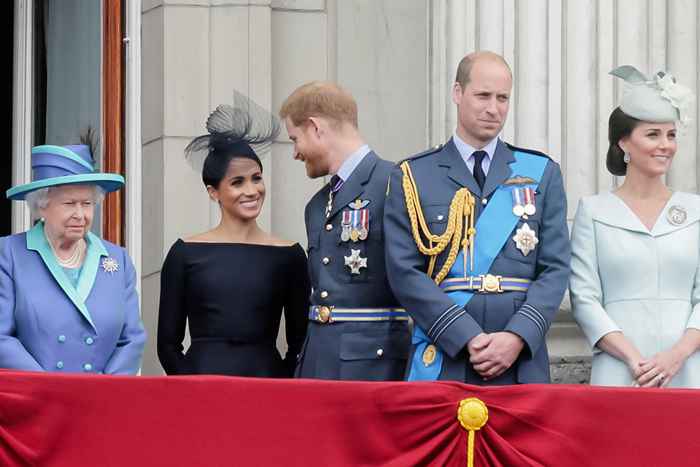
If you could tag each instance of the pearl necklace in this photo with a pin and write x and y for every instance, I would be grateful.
(74, 260)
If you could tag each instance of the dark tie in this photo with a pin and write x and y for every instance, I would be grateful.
(479, 174)
(334, 185)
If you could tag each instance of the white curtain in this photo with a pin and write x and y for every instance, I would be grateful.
(73, 69)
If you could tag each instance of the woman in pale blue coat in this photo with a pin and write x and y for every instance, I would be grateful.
(68, 300)
(635, 284)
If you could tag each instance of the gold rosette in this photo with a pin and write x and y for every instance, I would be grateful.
(472, 415)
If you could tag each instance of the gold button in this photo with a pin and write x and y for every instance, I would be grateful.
(326, 260)
(484, 201)
(324, 294)
(380, 352)
(324, 314)
(329, 227)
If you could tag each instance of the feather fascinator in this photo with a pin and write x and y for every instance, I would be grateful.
(243, 129)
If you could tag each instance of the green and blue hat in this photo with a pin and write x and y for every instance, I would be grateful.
(64, 165)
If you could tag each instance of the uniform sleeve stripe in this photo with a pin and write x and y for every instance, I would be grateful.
(536, 313)
(447, 325)
(537, 323)
(443, 316)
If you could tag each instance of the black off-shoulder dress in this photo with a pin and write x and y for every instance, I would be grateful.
(232, 296)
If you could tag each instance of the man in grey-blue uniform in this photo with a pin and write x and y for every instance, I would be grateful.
(479, 250)
(356, 329)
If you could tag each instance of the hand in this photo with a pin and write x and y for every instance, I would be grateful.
(497, 355)
(478, 342)
(658, 370)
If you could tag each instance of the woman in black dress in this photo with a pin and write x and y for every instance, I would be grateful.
(230, 284)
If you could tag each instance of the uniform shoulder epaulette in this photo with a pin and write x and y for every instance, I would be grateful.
(529, 151)
(427, 152)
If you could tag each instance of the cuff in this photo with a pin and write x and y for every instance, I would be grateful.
(453, 330)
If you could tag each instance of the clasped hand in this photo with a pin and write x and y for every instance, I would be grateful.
(492, 354)
(658, 370)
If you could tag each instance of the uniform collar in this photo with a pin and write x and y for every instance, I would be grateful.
(466, 150)
(352, 161)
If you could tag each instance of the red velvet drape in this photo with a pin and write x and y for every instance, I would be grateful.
(74, 420)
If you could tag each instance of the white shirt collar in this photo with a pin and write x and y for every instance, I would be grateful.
(466, 150)
(350, 164)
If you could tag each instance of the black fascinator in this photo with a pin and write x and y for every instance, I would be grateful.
(243, 129)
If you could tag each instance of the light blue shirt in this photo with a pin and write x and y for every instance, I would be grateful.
(467, 151)
(351, 163)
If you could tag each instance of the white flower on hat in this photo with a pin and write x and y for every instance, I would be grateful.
(679, 96)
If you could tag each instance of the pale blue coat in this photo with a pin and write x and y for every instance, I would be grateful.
(47, 324)
(644, 283)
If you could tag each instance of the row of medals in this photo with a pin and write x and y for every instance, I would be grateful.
(523, 206)
(355, 228)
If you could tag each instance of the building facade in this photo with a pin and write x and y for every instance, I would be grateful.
(182, 58)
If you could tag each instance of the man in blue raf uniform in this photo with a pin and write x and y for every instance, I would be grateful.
(356, 329)
(479, 248)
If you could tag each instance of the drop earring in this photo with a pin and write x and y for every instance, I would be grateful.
(626, 158)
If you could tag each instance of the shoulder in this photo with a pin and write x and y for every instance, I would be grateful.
(527, 151)
(594, 205)
(279, 242)
(687, 201)
(113, 249)
(424, 154)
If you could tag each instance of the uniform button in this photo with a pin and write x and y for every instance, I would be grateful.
(87, 367)
(59, 365)
(324, 294)
(329, 227)
(380, 352)
(89, 340)
(484, 201)
(326, 260)
(440, 217)
(61, 338)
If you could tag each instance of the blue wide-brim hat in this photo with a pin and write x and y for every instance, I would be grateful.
(64, 165)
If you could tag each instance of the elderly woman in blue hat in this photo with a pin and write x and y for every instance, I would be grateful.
(635, 284)
(68, 301)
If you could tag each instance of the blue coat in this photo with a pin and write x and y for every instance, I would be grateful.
(438, 175)
(47, 324)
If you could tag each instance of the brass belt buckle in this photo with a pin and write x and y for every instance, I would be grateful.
(324, 314)
(490, 284)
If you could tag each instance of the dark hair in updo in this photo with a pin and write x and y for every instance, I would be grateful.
(232, 133)
(219, 157)
(620, 126)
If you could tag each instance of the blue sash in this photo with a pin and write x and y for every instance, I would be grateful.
(493, 228)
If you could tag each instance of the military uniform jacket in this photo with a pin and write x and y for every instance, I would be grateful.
(438, 175)
(352, 350)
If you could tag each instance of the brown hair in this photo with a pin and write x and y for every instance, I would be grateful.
(465, 66)
(320, 99)
(620, 125)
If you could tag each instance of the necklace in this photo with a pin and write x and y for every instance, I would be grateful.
(74, 260)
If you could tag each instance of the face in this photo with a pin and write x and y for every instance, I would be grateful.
(241, 192)
(308, 146)
(482, 105)
(651, 147)
(69, 212)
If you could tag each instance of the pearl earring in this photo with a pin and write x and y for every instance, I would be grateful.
(626, 158)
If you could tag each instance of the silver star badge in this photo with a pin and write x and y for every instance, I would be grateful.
(525, 239)
(110, 265)
(355, 261)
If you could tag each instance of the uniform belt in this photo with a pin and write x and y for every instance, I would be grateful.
(487, 283)
(325, 314)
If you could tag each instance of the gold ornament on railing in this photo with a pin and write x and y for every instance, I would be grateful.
(460, 229)
(472, 415)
